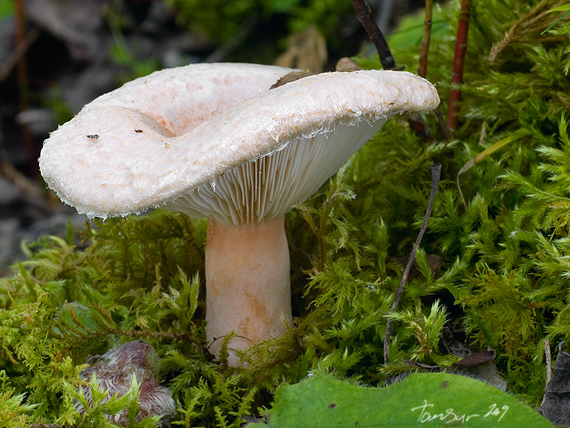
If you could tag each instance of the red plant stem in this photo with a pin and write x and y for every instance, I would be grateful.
(458, 62)
(422, 71)
(364, 15)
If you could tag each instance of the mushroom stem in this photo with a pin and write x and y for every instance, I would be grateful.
(247, 283)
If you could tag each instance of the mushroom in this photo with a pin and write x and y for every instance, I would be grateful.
(217, 143)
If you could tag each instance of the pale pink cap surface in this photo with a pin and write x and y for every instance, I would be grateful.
(212, 140)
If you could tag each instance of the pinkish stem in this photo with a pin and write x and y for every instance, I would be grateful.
(247, 283)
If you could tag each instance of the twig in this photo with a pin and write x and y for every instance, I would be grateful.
(224, 50)
(537, 20)
(443, 126)
(426, 37)
(18, 52)
(364, 15)
(22, 74)
(548, 357)
(435, 175)
(23, 183)
(458, 62)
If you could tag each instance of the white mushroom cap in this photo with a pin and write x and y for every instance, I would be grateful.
(245, 158)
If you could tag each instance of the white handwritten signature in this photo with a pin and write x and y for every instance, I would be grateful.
(428, 414)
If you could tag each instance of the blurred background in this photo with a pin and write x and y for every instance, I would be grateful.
(57, 55)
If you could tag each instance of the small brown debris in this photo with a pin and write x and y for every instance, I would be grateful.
(346, 64)
(291, 77)
(93, 136)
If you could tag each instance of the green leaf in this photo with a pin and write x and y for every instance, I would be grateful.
(561, 8)
(564, 7)
(422, 399)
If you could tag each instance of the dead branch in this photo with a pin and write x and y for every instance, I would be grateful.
(435, 175)
(364, 15)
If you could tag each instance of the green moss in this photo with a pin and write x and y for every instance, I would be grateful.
(495, 269)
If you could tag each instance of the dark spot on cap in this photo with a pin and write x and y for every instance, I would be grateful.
(138, 131)
(444, 384)
(332, 405)
(93, 136)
